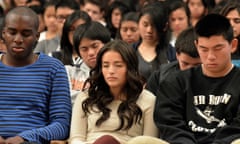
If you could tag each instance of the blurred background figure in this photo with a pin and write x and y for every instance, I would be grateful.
(232, 12)
(198, 9)
(179, 19)
(128, 29)
(113, 16)
(152, 49)
(49, 18)
(95, 9)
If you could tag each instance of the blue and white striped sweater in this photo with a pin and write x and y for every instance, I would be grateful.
(35, 101)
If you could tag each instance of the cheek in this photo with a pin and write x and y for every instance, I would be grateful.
(83, 55)
(136, 35)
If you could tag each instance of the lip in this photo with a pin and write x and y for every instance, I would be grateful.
(111, 78)
(17, 49)
(148, 36)
(92, 59)
(211, 65)
(130, 40)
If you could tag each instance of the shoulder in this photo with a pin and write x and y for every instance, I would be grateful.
(146, 97)
(81, 97)
(42, 36)
(50, 61)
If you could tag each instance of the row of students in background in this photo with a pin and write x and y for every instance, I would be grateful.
(151, 53)
(150, 33)
(115, 76)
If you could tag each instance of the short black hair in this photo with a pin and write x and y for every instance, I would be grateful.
(92, 30)
(72, 4)
(24, 11)
(214, 24)
(185, 43)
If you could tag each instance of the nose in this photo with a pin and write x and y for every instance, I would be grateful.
(91, 52)
(111, 69)
(211, 55)
(232, 22)
(129, 32)
(149, 29)
(18, 38)
(90, 13)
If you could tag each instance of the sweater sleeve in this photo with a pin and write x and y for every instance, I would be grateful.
(59, 106)
(153, 82)
(230, 132)
(169, 114)
(150, 128)
(78, 132)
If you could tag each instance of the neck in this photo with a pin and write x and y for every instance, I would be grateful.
(222, 73)
(18, 62)
(117, 93)
(149, 44)
(51, 34)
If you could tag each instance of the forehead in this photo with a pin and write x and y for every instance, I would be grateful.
(187, 58)
(86, 42)
(78, 22)
(112, 55)
(93, 6)
(211, 41)
(129, 23)
(145, 17)
(177, 12)
(233, 12)
(64, 11)
(20, 21)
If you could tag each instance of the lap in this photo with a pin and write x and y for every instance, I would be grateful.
(146, 140)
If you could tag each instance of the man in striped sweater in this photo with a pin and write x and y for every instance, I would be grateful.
(35, 101)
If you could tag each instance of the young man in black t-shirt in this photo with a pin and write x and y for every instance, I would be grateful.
(201, 105)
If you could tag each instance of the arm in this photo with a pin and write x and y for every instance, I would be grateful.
(229, 133)
(73, 93)
(59, 112)
(153, 82)
(169, 114)
(149, 127)
(79, 124)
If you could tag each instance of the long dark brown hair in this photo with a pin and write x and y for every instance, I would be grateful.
(100, 96)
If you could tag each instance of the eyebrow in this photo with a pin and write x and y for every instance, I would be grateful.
(218, 45)
(14, 29)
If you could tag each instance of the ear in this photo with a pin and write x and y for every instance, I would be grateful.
(177, 54)
(3, 34)
(196, 43)
(37, 35)
(166, 27)
(234, 45)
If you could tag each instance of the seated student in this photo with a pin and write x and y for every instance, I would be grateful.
(88, 39)
(201, 105)
(35, 101)
(95, 9)
(128, 28)
(115, 103)
(187, 57)
(232, 12)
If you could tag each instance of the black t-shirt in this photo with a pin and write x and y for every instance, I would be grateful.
(193, 108)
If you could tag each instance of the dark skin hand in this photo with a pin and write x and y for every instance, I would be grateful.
(2, 140)
(11, 140)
